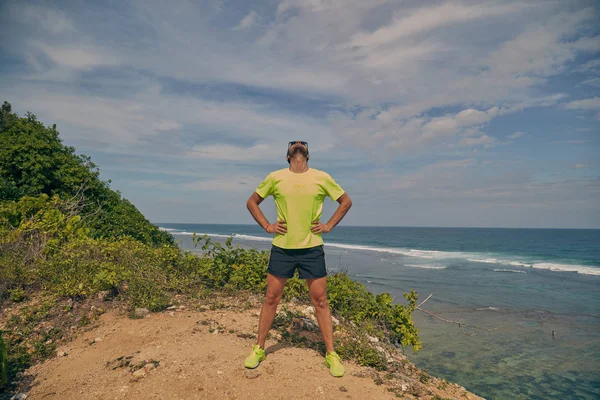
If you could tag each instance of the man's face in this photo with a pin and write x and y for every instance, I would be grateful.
(298, 147)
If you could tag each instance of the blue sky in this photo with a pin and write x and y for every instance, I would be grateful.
(438, 113)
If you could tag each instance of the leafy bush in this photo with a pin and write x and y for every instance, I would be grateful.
(3, 362)
(351, 300)
(34, 161)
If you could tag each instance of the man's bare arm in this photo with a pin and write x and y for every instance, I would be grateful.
(338, 215)
(345, 204)
(253, 206)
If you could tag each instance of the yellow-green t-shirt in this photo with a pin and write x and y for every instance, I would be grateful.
(299, 202)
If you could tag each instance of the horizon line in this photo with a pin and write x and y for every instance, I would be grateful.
(391, 226)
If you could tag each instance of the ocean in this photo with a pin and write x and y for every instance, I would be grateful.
(528, 300)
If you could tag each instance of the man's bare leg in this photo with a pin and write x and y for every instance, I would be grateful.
(275, 287)
(317, 290)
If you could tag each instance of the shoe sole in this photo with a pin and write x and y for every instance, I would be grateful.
(257, 364)
(330, 373)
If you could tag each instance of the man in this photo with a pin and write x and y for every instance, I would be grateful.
(299, 192)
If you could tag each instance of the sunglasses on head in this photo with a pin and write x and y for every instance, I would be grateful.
(293, 142)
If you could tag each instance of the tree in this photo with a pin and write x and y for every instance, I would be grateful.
(34, 161)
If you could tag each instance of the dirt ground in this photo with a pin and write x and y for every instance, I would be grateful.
(184, 354)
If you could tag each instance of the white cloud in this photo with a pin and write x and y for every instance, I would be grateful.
(84, 57)
(251, 19)
(51, 20)
(571, 141)
(585, 104)
(428, 19)
(516, 135)
(234, 153)
(483, 140)
(591, 82)
(218, 184)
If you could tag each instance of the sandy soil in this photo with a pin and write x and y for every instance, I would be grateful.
(195, 355)
(193, 363)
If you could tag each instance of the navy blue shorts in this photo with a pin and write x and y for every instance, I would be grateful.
(310, 262)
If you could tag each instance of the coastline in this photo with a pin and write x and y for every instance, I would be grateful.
(519, 358)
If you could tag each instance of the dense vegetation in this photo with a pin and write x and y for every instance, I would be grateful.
(53, 244)
(34, 161)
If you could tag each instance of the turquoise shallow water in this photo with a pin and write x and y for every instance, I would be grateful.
(525, 283)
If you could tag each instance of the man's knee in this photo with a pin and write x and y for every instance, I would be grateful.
(319, 300)
(272, 298)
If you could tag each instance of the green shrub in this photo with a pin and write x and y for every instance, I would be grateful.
(17, 295)
(34, 161)
(357, 346)
(3, 362)
(351, 300)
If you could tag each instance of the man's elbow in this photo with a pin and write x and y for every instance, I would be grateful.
(253, 201)
(347, 201)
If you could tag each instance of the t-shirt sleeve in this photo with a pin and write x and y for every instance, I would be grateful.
(332, 189)
(266, 187)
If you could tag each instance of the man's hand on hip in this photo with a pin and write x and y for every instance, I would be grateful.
(317, 227)
(277, 227)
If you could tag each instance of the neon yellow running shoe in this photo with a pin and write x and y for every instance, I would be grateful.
(333, 362)
(255, 357)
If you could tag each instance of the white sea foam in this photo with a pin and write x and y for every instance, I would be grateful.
(581, 269)
(558, 267)
(425, 266)
(427, 254)
(509, 270)
(235, 235)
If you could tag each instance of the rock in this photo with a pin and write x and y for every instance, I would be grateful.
(139, 374)
(219, 372)
(19, 396)
(49, 341)
(172, 308)
(97, 340)
(373, 339)
(404, 387)
(141, 312)
(320, 389)
(335, 321)
(62, 354)
(251, 373)
(149, 367)
(310, 310)
(343, 389)
(309, 325)
(103, 295)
